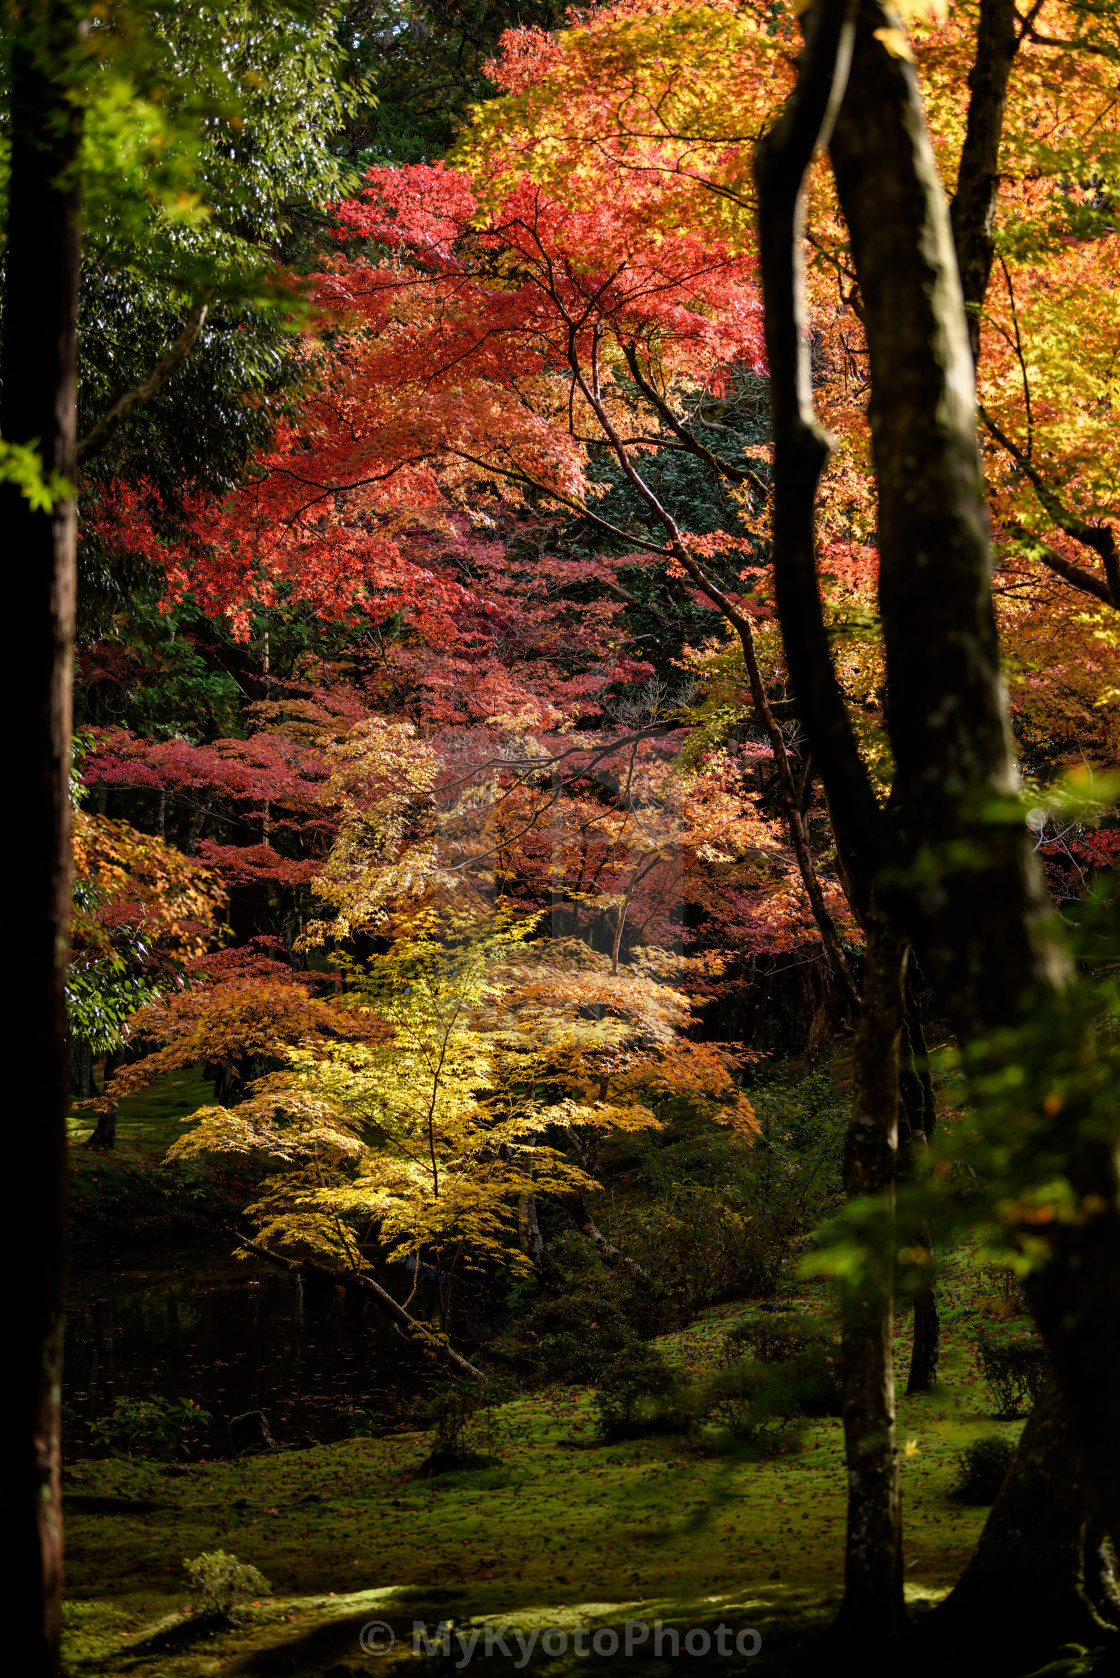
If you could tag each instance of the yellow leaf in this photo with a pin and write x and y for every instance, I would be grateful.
(895, 42)
(911, 1448)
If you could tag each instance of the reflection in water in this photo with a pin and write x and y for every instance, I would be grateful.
(235, 1340)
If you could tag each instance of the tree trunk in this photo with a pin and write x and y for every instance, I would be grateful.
(925, 1356)
(973, 210)
(39, 348)
(81, 1069)
(966, 885)
(104, 1136)
(872, 1616)
(1029, 1585)
(529, 1230)
(970, 888)
(916, 1092)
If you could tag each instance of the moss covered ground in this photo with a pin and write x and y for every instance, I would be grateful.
(561, 1531)
(149, 1121)
(127, 1200)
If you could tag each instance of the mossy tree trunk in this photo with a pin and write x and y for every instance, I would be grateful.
(872, 1617)
(1037, 1578)
(969, 889)
(952, 857)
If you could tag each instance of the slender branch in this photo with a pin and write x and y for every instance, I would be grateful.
(690, 443)
(743, 627)
(1087, 582)
(1020, 357)
(358, 1279)
(125, 405)
(1100, 537)
(802, 448)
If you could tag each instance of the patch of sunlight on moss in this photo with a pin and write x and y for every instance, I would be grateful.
(915, 1592)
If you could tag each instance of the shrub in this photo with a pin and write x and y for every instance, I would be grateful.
(462, 1415)
(226, 1585)
(693, 1245)
(739, 1396)
(587, 1312)
(1014, 1366)
(751, 1397)
(776, 1338)
(356, 1422)
(152, 1427)
(813, 1376)
(640, 1393)
(710, 1214)
(982, 1468)
(1007, 1287)
(574, 1337)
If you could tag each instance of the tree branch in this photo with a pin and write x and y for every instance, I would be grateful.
(109, 423)
(1075, 575)
(356, 1279)
(1101, 538)
(973, 209)
(690, 443)
(802, 448)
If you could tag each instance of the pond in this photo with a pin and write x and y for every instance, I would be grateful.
(318, 1360)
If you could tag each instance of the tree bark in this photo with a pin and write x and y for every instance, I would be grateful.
(1028, 1586)
(972, 890)
(81, 1069)
(529, 1230)
(872, 1617)
(104, 1137)
(802, 448)
(39, 348)
(968, 887)
(916, 1092)
(973, 210)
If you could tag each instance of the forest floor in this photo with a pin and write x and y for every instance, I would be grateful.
(561, 1532)
(561, 1535)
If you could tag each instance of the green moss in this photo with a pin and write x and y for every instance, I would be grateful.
(149, 1121)
(562, 1529)
(128, 1198)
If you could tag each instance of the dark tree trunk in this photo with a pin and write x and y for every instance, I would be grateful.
(965, 884)
(39, 349)
(872, 1618)
(973, 899)
(973, 210)
(81, 1069)
(873, 1615)
(916, 1092)
(1030, 1584)
(925, 1357)
(104, 1136)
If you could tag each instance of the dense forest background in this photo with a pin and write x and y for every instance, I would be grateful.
(571, 563)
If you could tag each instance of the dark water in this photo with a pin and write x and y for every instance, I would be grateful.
(234, 1339)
